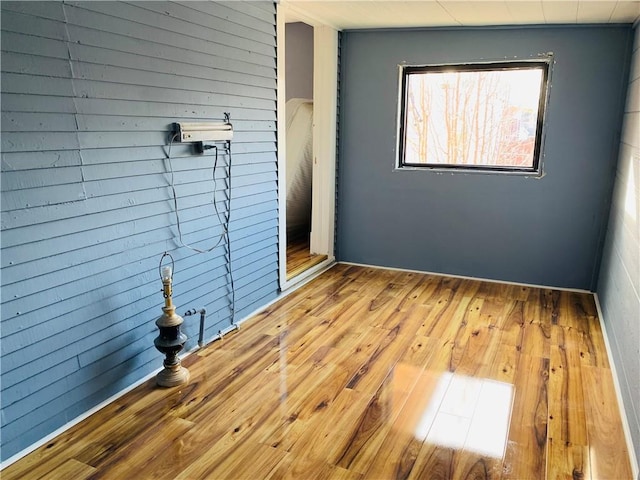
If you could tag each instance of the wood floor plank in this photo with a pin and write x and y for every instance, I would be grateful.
(527, 446)
(72, 470)
(225, 428)
(302, 401)
(512, 323)
(339, 302)
(369, 373)
(133, 459)
(329, 332)
(469, 465)
(224, 383)
(315, 469)
(568, 454)
(362, 446)
(435, 463)
(264, 459)
(41, 462)
(466, 330)
(593, 350)
(340, 277)
(222, 434)
(369, 377)
(284, 427)
(419, 352)
(396, 455)
(479, 354)
(440, 303)
(299, 256)
(536, 339)
(391, 299)
(321, 434)
(609, 457)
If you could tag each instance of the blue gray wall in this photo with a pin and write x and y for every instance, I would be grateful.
(619, 286)
(89, 91)
(536, 230)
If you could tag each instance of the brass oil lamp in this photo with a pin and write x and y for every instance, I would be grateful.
(170, 340)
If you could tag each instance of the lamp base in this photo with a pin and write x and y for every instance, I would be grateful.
(172, 376)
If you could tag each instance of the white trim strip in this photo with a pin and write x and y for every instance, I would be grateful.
(325, 108)
(308, 274)
(325, 86)
(616, 384)
(464, 277)
(281, 137)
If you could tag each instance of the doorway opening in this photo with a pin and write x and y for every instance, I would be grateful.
(299, 147)
(307, 106)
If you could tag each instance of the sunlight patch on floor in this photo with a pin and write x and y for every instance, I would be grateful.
(468, 413)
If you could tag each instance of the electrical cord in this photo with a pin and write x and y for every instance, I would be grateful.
(224, 225)
(223, 221)
(232, 306)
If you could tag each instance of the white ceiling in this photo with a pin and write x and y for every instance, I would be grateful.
(424, 13)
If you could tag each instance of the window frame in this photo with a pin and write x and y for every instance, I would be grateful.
(543, 63)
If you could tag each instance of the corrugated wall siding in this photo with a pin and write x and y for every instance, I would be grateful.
(619, 286)
(89, 93)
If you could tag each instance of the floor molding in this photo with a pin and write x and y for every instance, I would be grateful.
(616, 383)
(290, 285)
(465, 277)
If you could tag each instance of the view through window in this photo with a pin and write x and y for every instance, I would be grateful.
(473, 116)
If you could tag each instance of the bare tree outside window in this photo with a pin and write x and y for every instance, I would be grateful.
(478, 116)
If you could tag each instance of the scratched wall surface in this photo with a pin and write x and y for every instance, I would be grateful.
(89, 93)
(619, 287)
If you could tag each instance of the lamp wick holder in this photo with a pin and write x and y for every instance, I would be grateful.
(170, 340)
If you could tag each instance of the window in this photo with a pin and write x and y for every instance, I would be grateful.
(483, 116)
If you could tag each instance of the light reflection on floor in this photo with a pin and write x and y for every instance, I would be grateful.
(468, 413)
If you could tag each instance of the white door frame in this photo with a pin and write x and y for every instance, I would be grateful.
(325, 88)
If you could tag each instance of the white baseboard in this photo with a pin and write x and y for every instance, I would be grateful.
(300, 283)
(307, 275)
(464, 277)
(625, 423)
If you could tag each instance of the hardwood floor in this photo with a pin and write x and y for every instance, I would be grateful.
(299, 258)
(377, 374)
